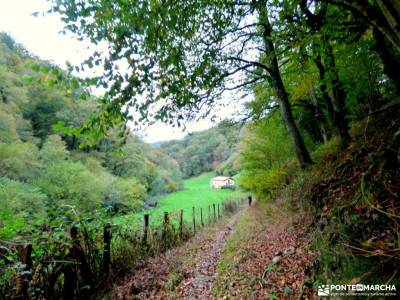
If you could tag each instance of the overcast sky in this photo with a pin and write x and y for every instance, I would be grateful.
(40, 35)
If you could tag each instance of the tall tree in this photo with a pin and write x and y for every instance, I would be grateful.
(277, 83)
(383, 15)
(182, 55)
(325, 62)
(390, 61)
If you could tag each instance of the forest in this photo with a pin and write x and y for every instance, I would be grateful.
(42, 169)
(316, 145)
(214, 149)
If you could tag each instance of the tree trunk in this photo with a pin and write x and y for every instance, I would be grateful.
(384, 16)
(335, 114)
(324, 90)
(391, 11)
(339, 94)
(337, 108)
(286, 112)
(319, 116)
(391, 65)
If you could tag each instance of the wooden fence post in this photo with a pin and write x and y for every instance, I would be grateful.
(165, 227)
(145, 229)
(201, 217)
(166, 219)
(79, 255)
(218, 210)
(209, 213)
(215, 217)
(181, 225)
(70, 270)
(25, 257)
(107, 249)
(194, 220)
(69, 282)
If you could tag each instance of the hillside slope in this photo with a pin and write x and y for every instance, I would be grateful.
(214, 149)
(333, 223)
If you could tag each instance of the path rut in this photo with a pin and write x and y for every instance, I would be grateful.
(199, 282)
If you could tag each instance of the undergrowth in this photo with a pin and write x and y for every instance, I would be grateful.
(265, 257)
(353, 197)
(351, 194)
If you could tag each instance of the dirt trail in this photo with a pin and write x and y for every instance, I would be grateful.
(199, 283)
(193, 263)
(271, 257)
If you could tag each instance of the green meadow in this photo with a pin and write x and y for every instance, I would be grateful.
(195, 193)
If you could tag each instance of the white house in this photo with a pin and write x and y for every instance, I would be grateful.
(220, 182)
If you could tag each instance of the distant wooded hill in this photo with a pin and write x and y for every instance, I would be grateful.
(214, 149)
(42, 168)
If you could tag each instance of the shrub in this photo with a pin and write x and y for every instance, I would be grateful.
(162, 184)
(231, 206)
(327, 150)
(228, 167)
(19, 203)
(18, 160)
(53, 149)
(8, 129)
(264, 183)
(359, 128)
(71, 183)
(125, 193)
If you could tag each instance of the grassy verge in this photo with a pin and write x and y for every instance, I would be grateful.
(247, 269)
(196, 193)
(235, 253)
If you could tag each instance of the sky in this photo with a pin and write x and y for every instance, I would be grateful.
(41, 36)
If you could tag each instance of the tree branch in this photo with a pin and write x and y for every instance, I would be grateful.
(255, 80)
(251, 63)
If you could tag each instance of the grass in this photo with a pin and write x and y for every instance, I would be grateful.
(244, 270)
(235, 253)
(195, 193)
